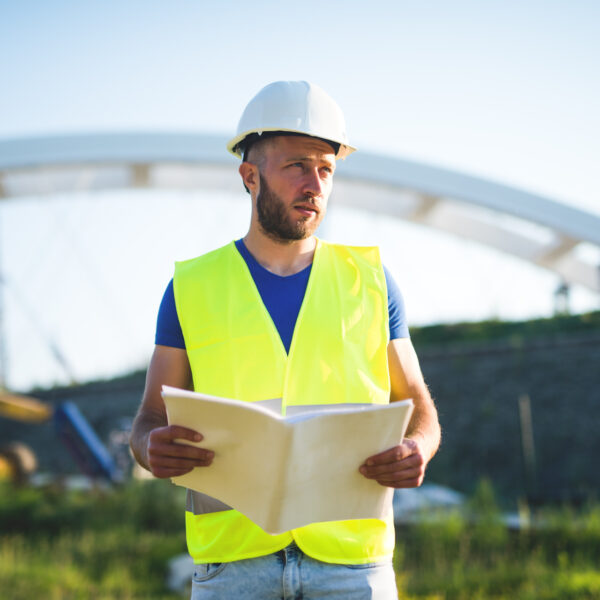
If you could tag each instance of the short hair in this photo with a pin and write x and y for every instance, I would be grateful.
(253, 138)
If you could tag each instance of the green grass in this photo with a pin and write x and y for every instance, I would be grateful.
(472, 555)
(115, 544)
(90, 545)
(112, 564)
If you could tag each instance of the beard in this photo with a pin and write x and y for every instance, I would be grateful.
(274, 218)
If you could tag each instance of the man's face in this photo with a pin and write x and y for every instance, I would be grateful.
(296, 177)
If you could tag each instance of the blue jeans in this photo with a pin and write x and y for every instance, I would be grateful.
(292, 575)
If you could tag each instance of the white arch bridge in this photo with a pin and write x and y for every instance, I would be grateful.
(536, 229)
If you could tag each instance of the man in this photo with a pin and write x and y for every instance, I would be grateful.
(281, 314)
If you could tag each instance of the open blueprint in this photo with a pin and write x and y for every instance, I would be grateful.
(286, 472)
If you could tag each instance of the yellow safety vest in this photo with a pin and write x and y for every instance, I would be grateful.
(338, 354)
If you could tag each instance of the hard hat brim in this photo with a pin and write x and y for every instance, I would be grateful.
(233, 145)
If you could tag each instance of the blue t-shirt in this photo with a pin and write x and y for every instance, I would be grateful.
(282, 296)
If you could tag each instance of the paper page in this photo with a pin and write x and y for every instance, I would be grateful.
(254, 472)
(250, 445)
(296, 413)
(323, 482)
(303, 411)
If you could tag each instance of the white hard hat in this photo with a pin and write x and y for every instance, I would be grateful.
(293, 106)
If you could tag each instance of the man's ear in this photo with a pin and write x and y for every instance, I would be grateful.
(250, 176)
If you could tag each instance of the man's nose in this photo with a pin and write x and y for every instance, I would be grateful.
(313, 185)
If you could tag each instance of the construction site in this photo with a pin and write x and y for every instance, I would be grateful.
(517, 399)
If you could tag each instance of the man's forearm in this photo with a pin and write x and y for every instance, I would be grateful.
(424, 426)
(143, 424)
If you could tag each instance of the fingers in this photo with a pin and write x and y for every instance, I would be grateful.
(167, 457)
(400, 478)
(400, 467)
(172, 432)
(163, 472)
(413, 462)
(392, 455)
(172, 453)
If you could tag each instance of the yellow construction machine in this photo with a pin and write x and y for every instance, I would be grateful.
(18, 461)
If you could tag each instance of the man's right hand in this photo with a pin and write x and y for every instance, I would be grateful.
(168, 458)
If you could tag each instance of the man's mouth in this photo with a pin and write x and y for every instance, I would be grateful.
(307, 209)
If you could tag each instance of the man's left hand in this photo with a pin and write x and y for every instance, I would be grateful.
(402, 466)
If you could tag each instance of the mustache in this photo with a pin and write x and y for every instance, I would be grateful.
(308, 202)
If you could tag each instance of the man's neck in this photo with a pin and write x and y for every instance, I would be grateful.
(278, 257)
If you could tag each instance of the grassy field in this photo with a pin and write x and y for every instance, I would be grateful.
(473, 555)
(114, 544)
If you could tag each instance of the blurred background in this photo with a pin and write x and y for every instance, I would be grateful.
(499, 95)
(504, 91)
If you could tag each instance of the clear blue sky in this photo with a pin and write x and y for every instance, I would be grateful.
(502, 89)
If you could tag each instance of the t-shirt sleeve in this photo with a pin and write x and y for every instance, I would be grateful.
(168, 329)
(398, 323)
